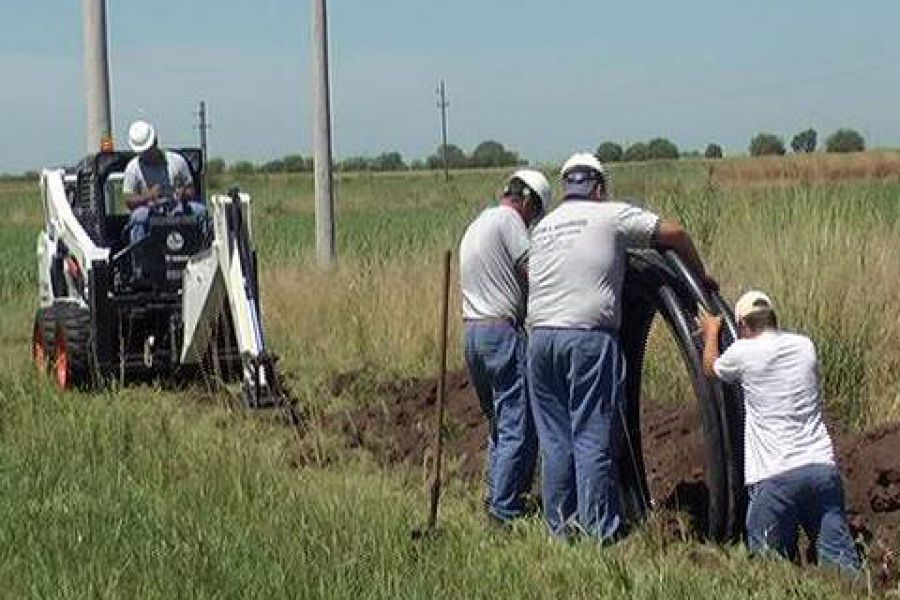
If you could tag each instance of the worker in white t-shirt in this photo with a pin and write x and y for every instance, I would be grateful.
(789, 466)
(575, 365)
(493, 258)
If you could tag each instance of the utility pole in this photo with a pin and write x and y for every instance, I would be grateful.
(203, 126)
(443, 104)
(325, 251)
(96, 76)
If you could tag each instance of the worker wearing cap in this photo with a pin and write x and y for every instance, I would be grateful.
(155, 179)
(789, 465)
(575, 365)
(493, 259)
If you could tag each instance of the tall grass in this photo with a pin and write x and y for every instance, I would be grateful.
(145, 493)
(136, 494)
(824, 250)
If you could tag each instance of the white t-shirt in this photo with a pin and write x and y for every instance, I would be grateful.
(141, 175)
(784, 428)
(493, 245)
(577, 262)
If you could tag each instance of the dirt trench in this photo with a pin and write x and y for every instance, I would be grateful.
(399, 430)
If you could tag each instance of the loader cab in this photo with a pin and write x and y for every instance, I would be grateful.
(155, 263)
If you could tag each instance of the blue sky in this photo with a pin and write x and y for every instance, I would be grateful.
(543, 77)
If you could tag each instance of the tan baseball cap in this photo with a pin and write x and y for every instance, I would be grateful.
(751, 302)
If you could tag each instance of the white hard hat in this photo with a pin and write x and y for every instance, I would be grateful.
(537, 182)
(141, 136)
(752, 302)
(582, 160)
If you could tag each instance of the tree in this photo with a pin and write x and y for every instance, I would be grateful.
(296, 163)
(637, 151)
(805, 141)
(355, 163)
(273, 166)
(456, 158)
(765, 144)
(845, 140)
(492, 154)
(713, 151)
(609, 152)
(242, 167)
(388, 161)
(215, 166)
(661, 148)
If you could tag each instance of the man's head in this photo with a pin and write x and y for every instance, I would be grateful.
(755, 313)
(528, 191)
(142, 137)
(584, 178)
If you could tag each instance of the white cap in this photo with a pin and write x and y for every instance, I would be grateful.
(538, 184)
(752, 302)
(141, 136)
(583, 160)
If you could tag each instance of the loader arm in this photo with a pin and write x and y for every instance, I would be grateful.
(224, 279)
(64, 238)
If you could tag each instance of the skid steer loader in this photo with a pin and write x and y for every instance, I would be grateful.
(182, 302)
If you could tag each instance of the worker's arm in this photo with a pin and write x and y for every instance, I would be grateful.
(133, 201)
(711, 326)
(185, 193)
(670, 235)
(184, 181)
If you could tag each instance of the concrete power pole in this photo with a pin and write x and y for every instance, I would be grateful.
(325, 251)
(96, 75)
(443, 104)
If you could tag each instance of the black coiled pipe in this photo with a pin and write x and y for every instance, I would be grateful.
(660, 284)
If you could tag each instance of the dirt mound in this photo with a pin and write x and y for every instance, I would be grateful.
(399, 430)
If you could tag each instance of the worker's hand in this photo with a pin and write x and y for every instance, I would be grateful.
(710, 324)
(153, 194)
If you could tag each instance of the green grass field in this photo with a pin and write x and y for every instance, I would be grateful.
(143, 492)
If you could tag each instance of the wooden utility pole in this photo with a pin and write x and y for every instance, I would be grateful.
(96, 76)
(203, 126)
(443, 104)
(325, 247)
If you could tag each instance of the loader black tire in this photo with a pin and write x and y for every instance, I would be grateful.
(43, 340)
(74, 361)
(653, 286)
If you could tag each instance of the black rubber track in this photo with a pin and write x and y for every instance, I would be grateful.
(657, 284)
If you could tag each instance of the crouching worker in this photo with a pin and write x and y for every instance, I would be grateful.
(493, 258)
(789, 466)
(156, 180)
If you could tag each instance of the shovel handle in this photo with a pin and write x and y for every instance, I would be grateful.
(435, 487)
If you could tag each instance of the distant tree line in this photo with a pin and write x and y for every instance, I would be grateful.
(842, 140)
(762, 144)
(489, 153)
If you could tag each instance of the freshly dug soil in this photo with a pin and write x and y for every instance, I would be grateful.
(400, 430)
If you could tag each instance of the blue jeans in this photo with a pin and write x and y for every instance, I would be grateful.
(811, 497)
(495, 356)
(137, 221)
(575, 389)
